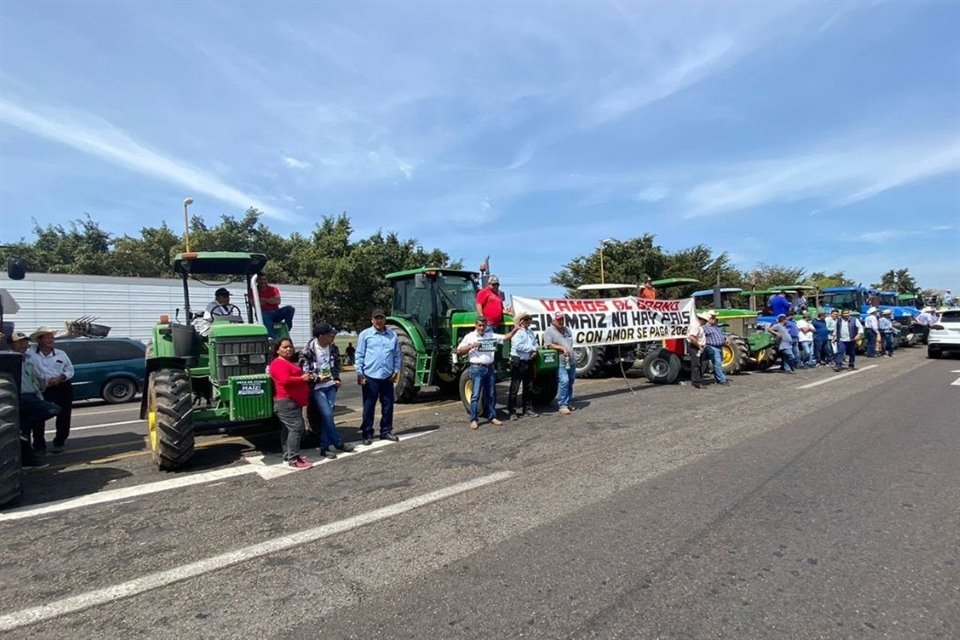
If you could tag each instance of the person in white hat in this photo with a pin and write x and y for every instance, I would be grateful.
(523, 351)
(696, 349)
(887, 333)
(925, 318)
(54, 369)
(871, 330)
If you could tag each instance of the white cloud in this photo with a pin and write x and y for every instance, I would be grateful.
(846, 172)
(653, 193)
(294, 163)
(100, 139)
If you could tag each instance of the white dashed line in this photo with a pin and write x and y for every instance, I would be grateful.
(832, 378)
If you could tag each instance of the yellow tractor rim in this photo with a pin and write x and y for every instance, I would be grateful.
(727, 355)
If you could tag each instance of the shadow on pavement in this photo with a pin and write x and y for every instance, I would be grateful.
(45, 486)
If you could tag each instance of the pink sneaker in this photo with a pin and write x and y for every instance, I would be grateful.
(300, 462)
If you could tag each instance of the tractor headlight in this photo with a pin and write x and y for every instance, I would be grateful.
(230, 361)
(258, 358)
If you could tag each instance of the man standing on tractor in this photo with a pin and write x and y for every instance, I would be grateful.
(779, 304)
(648, 291)
(480, 345)
(490, 302)
(378, 368)
(270, 305)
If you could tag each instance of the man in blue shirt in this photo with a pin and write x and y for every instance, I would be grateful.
(378, 368)
(821, 341)
(779, 305)
(523, 351)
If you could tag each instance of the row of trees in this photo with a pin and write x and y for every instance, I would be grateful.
(346, 277)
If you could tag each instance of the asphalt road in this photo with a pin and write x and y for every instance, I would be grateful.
(765, 509)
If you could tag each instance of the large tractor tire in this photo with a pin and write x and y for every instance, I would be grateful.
(11, 470)
(405, 389)
(765, 358)
(589, 361)
(170, 418)
(544, 387)
(661, 366)
(735, 355)
(466, 392)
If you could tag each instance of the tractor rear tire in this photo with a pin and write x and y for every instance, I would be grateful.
(170, 418)
(735, 355)
(543, 388)
(405, 389)
(589, 361)
(466, 392)
(11, 469)
(661, 366)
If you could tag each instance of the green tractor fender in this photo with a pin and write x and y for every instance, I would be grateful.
(412, 329)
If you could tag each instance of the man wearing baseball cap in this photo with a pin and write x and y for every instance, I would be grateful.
(558, 336)
(221, 307)
(490, 302)
(378, 369)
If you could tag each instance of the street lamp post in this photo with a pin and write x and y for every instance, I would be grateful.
(186, 221)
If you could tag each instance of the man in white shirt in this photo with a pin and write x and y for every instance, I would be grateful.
(55, 371)
(480, 345)
(871, 329)
(523, 352)
(805, 338)
(221, 307)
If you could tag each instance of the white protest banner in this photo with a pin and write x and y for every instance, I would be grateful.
(611, 320)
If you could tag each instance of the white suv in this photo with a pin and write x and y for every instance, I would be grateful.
(945, 334)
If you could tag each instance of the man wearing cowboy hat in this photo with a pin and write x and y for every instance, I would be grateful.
(926, 318)
(54, 369)
(715, 340)
(523, 351)
(887, 333)
(871, 330)
(696, 349)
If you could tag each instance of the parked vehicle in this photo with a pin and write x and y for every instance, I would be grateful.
(108, 368)
(203, 383)
(611, 359)
(751, 346)
(858, 299)
(945, 334)
(11, 368)
(433, 308)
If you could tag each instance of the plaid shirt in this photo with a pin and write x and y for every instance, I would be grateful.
(715, 336)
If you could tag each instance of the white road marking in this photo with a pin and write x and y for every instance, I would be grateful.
(160, 579)
(955, 383)
(97, 426)
(122, 494)
(837, 377)
(95, 411)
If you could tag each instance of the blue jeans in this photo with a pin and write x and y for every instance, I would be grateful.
(483, 379)
(848, 348)
(788, 362)
(888, 343)
(283, 314)
(565, 378)
(373, 390)
(871, 337)
(807, 356)
(715, 354)
(324, 399)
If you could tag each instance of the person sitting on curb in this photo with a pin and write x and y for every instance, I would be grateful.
(34, 410)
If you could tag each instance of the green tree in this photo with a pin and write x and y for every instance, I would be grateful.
(626, 262)
(821, 280)
(766, 276)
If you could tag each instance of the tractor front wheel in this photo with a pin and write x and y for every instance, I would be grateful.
(11, 471)
(405, 389)
(734, 355)
(543, 387)
(170, 418)
(466, 393)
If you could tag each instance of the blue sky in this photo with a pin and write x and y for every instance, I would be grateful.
(821, 135)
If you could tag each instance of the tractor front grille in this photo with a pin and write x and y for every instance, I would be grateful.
(240, 357)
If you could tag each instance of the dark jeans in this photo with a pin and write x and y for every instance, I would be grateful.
(62, 396)
(320, 414)
(871, 337)
(34, 412)
(484, 381)
(290, 415)
(283, 314)
(521, 373)
(372, 390)
(788, 361)
(822, 351)
(696, 364)
(846, 348)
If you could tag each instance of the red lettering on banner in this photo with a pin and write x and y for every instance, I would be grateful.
(657, 305)
(621, 305)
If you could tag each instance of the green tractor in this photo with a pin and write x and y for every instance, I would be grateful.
(199, 382)
(11, 368)
(433, 308)
(752, 347)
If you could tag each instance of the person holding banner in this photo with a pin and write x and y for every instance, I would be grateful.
(559, 337)
(480, 345)
(696, 349)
